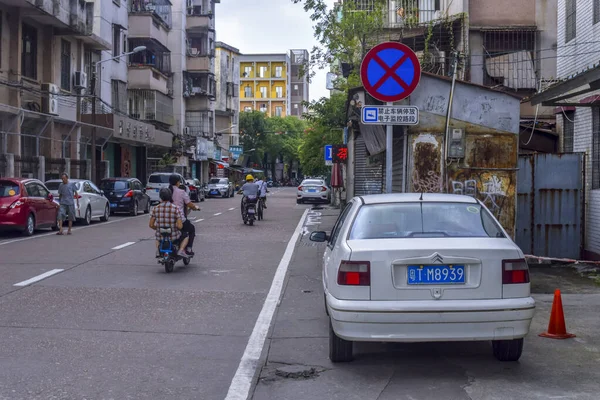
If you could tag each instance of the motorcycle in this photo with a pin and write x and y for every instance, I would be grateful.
(249, 210)
(168, 251)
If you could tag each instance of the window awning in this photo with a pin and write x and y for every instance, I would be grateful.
(558, 95)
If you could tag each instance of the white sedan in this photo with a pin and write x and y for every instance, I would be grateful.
(313, 190)
(92, 202)
(424, 268)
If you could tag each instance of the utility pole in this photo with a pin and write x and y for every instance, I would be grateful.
(449, 115)
(94, 176)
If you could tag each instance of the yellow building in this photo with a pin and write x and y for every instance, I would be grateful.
(265, 83)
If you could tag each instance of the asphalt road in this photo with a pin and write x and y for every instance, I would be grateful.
(113, 325)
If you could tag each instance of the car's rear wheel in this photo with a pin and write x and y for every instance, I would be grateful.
(30, 225)
(147, 209)
(340, 350)
(508, 350)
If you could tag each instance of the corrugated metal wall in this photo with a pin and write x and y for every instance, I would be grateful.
(550, 205)
(368, 179)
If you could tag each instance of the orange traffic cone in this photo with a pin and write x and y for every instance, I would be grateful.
(556, 327)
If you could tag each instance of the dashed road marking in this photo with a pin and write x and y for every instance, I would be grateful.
(198, 220)
(218, 214)
(232, 208)
(121, 246)
(39, 277)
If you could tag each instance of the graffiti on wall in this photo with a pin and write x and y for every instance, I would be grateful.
(426, 176)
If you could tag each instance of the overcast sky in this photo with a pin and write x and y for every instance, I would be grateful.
(268, 26)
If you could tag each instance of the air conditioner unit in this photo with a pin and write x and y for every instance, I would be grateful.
(49, 98)
(81, 81)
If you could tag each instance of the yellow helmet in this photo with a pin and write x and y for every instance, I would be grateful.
(249, 178)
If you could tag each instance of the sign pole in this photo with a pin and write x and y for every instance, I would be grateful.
(389, 142)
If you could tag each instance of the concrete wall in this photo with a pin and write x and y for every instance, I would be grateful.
(505, 13)
(177, 45)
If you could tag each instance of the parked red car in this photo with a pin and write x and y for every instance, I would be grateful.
(26, 205)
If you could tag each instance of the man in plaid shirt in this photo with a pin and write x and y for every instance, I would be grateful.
(168, 215)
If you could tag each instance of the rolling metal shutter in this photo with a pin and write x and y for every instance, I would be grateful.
(368, 179)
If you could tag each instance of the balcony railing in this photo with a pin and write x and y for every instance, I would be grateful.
(160, 60)
(151, 106)
(200, 122)
(160, 8)
(412, 13)
(199, 85)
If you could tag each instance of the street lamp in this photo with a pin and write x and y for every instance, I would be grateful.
(226, 129)
(94, 73)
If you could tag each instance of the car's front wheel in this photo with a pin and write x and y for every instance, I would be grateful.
(340, 350)
(508, 350)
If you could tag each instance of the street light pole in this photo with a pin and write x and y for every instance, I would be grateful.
(94, 99)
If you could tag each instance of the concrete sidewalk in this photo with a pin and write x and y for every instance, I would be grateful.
(298, 367)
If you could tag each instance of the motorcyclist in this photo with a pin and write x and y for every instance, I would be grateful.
(263, 187)
(167, 215)
(249, 189)
(183, 202)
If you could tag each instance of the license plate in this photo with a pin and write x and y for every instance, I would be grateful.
(213, 192)
(251, 211)
(157, 190)
(113, 205)
(436, 274)
(312, 190)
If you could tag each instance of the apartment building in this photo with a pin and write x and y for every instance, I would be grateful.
(227, 73)
(575, 99)
(299, 85)
(265, 83)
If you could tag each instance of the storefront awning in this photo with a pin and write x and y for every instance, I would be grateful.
(558, 95)
(374, 136)
(220, 164)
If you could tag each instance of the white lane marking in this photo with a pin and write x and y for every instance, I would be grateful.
(198, 220)
(232, 208)
(242, 380)
(218, 214)
(119, 247)
(74, 229)
(39, 277)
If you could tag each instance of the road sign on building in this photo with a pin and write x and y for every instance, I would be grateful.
(328, 152)
(390, 71)
(390, 115)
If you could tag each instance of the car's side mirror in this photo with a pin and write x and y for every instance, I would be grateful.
(102, 192)
(319, 237)
(50, 197)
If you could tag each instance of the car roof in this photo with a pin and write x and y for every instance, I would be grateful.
(70, 180)
(414, 197)
(21, 180)
(165, 173)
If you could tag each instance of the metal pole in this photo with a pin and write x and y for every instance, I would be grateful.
(405, 161)
(449, 111)
(94, 176)
(388, 155)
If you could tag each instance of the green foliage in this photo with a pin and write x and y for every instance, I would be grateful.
(344, 33)
(327, 119)
(166, 160)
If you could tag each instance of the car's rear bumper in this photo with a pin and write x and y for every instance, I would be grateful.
(121, 205)
(431, 320)
(317, 197)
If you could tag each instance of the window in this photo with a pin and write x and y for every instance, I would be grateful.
(338, 225)
(296, 105)
(279, 91)
(568, 131)
(278, 111)
(423, 220)
(263, 92)
(247, 72)
(247, 109)
(32, 190)
(278, 72)
(119, 95)
(116, 41)
(65, 65)
(248, 91)
(295, 87)
(570, 20)
(596, 148)
(124, 49)
(29, 52)
(42, 191)
(263, 72)
(596, 11)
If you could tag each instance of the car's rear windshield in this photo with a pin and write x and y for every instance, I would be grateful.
(423, 220)
(8, 189)
(55, 185)
(159, 179)
(114, 185)
(313, 183)
(216, 181)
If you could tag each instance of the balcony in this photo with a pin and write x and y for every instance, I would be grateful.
(143, 27)
(159, 10)
(199, 85)
(199, 63)
(195, 20)
(200, 123)
(146, 77)
(151, 68)
(411, 13)
(151, 106)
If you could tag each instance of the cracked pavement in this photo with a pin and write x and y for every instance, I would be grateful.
(548, 369)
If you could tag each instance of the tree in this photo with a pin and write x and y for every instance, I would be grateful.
(252, 131)
(326, 119)
(345, 34)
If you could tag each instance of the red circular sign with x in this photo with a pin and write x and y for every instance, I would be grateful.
(390, 71)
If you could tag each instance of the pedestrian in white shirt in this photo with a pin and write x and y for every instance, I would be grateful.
(262, 185)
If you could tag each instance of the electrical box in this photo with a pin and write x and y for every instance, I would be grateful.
(456, 144)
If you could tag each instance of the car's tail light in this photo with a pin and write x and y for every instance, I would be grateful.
(354, 273)
(300, 188)
(323, 189)
(514, 271)
(129, 194)
(77, 197)
(17, 203)
(192, 187)
(148, 188)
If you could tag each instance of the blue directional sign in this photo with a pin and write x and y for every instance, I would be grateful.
(390, 71)
(370, 114)
(328, 152)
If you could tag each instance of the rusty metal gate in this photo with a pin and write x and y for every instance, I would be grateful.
(550, 204)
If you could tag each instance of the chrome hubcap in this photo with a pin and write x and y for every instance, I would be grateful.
(30, 224)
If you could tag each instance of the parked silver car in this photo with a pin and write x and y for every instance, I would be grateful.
(159, 180)
(92, 202)
(313, 190)
(220, 187)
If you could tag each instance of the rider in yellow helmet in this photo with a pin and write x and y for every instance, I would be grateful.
(249, 178)
(250, 190)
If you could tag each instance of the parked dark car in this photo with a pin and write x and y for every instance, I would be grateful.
(126, 195)
(26, 205)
